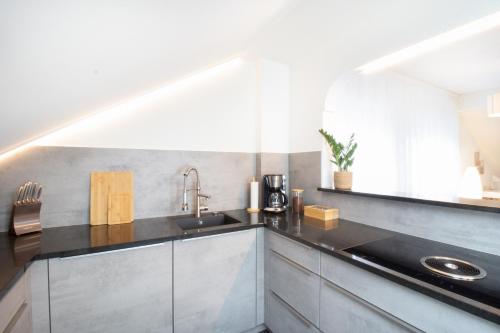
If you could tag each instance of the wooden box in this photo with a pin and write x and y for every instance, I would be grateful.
(321, 212)
(323, 224)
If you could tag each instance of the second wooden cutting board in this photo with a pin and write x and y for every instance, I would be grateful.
(111, 197)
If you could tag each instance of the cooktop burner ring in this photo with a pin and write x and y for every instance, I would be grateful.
(453, 268)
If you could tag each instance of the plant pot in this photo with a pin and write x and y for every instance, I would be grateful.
(342, 180)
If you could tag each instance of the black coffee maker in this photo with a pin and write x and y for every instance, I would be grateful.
(275, 198)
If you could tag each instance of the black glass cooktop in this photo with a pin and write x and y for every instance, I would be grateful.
(403, 254)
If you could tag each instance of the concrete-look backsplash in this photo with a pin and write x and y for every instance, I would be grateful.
(466, 228)
(158, 182)
(64, 173)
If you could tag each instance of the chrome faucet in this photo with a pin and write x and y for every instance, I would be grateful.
(185, 206)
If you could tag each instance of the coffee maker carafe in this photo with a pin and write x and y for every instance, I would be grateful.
(275, 198)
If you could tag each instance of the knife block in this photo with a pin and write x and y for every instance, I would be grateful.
(26, 218)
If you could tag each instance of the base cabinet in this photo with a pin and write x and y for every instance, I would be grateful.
(292, 286)
(126, 290)
(297, 286)
(215, 283)
(418, 310)
(343, 312)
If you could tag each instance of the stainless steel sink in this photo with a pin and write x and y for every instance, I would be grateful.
(189, 223)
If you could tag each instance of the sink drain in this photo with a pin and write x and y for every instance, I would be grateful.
(453, 268)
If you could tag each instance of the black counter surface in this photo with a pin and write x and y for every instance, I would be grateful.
(379, 251)
(402, 254)
(16, 253)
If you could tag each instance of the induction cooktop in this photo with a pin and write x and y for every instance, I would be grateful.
(471, 274)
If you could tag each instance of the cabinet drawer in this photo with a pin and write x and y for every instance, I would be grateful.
(343, 312)
(284, 319)
(13, 300)
(297, 252)
(414, 308)
(296, 285)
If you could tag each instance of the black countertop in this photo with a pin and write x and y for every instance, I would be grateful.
(346, 240)
(16, 253)
(402, 254)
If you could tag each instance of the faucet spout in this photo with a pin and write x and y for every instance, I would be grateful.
(185, 206)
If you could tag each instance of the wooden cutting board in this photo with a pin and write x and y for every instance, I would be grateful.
(111, 197)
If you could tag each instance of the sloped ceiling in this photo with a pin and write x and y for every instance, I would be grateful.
(465, 67)
(60, 59)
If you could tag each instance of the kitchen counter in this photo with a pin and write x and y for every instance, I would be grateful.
(16, 253)
(345, 240)
(395, 256)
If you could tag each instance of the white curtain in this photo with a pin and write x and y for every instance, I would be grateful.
(407, 132)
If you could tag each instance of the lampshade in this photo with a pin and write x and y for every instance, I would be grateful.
(471, 186)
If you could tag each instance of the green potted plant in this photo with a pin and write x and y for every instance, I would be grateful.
(343, 158)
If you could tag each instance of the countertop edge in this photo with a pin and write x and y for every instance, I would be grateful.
(109, 248)
(159, 240)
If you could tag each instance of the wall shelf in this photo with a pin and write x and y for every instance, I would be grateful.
(492, 206)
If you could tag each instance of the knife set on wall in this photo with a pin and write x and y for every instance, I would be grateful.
(26, 212)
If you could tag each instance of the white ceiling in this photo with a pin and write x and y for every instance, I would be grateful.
(465, 67)
(62, 59)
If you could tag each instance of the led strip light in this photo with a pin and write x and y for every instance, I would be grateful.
(119, 109)
(431, 44)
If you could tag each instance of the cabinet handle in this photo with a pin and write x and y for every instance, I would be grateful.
(293, 241)
(294, 312)
(293, 263)
(212, 236)
(112, 251)
(15, 319)
(371, 306)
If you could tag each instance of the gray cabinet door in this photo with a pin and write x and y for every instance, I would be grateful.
(126, 290)
(343, 312)
(215, 283)
(283, 318)
(39, 271)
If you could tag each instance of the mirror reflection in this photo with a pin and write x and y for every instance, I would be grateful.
(427, 127)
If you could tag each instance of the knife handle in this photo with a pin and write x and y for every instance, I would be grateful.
(39, 193)
(27, 192)
(20, 193)
(33, 193)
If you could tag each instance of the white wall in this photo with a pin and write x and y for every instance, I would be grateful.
(239, 106)
(274, 106)
(212, 112)
(323, 38)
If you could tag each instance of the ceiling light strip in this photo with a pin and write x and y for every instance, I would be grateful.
(119, 109)
(434, 43)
